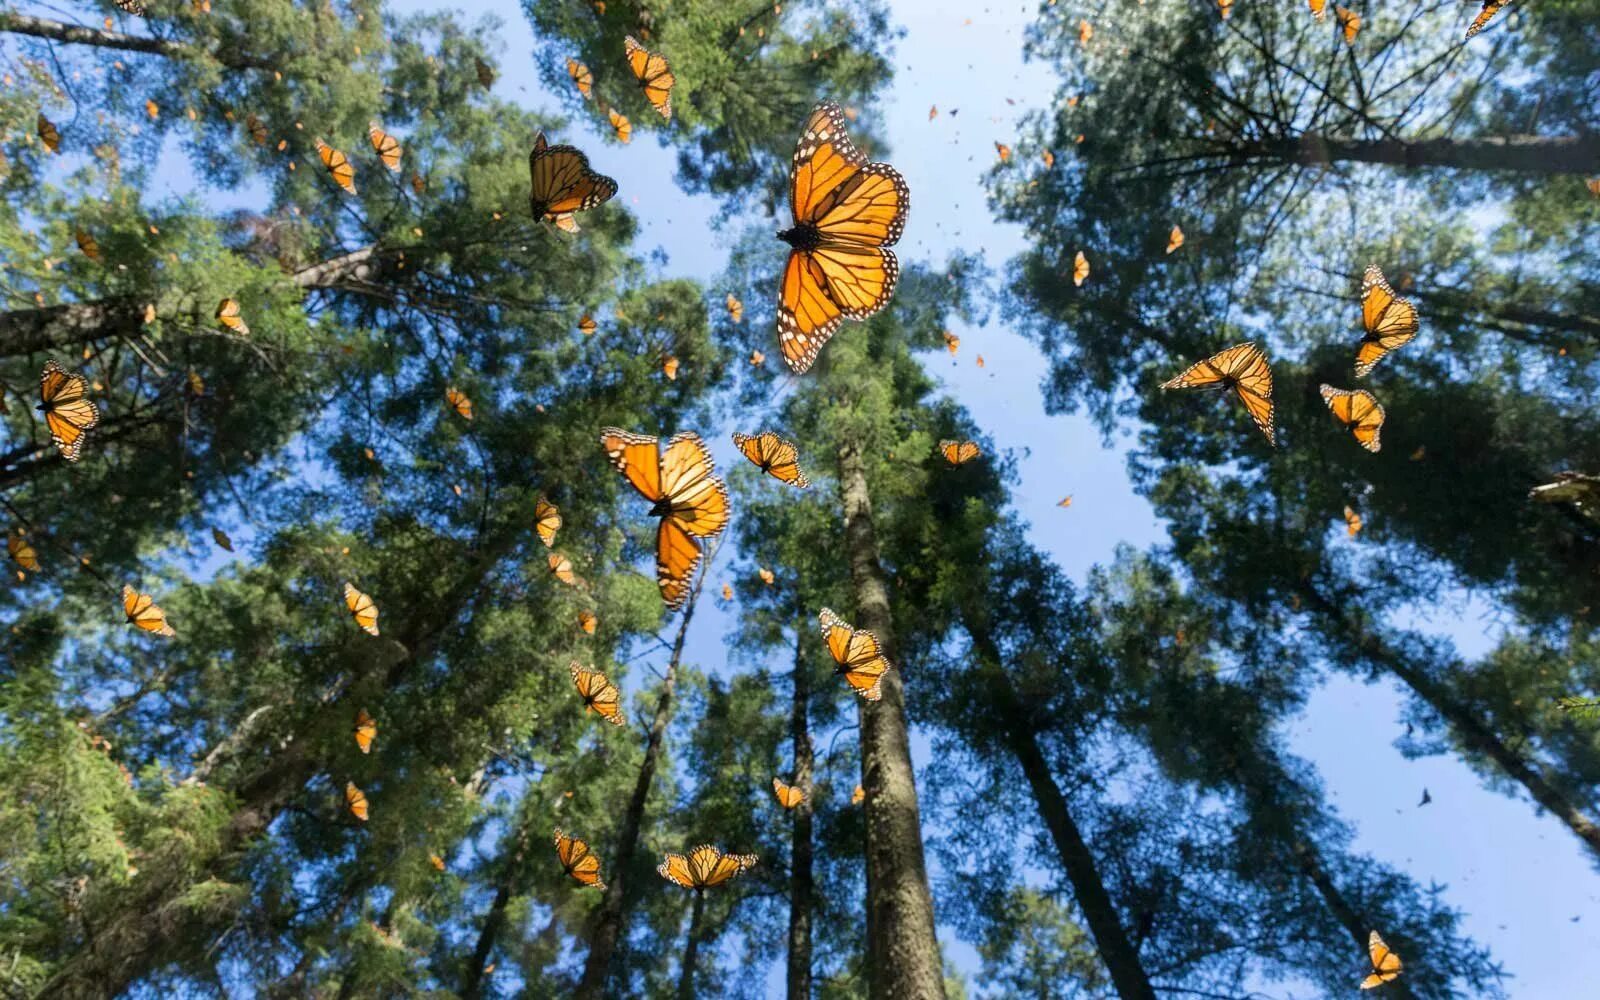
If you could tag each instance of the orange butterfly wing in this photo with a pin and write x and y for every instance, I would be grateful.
(1358, 410)
(857, 652)
(339, 166)
(578, 860)
(773, 455)
(788, 796)
(1389, 322)
(142, 612)
(69, 414)
(1241, 368)
(385, 145)
(366, 730)
(653, 74)
(599, 694)
(363, 608)
(546, 521)
(560, 181)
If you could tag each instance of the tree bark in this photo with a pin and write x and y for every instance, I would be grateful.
(1531, 154)
(1460, 303)
(691, 950)
(801, 884)
(903, 960)
(494, 921)
(608, 923)
(76, 34)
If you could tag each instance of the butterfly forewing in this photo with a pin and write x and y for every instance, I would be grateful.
(1241, 368)
(1389, 322)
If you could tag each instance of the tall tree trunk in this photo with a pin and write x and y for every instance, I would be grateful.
(1532, 154)
(903, 959)
(1111, 940)
(609, 921)
(77, 34)
(800, 875)
(691, 950)
(1455, 303)
(494, 921)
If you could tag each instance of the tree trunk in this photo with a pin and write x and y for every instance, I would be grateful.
(77, 34)
(1532, 154)
(494, 921)
(903, 961)
(1460, 304)
(608, 922)
(800, 875)
(691, 950)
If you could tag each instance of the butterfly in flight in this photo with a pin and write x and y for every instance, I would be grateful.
(485, 72)
(587, 622)
(857, 652)
(776, 456)
(952, 343)
(385, 145)
(546, 521)
(1385, 963)
(1389, 322)
(221, 538)
(1358, 410)
(257, 128)
(1490, 9)
(87, 244)
(142, 612)
(362, 608)
(735, 308)
(1349, 23)
(355, 800)
(1352, 521)
(706, 866)
(561, 567)
(1318, 8)
(1241, 369)
(69, 414)
(958, 452)
(621, 126)
(48, 133)
(577, 860)
(847, 212)
(228, 315)
(22, 552)
(581, 78)
(561, 183)
(366, 730)
(1080, 270)
(1174, 239)
(681, 484)
(339, 166)
(655, 78)
(459, 401)
(599, 695)
(789, 796)
(858, 795)
(436, 861)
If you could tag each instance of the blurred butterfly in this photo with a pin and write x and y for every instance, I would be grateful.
(69, 414)
(1080, 269)
(418, 185)
(789, 796)
(766, 575)
(562, 183)
(385, 145)
(87, 244)
(858, 795)
(1226, 6)
(681, 484)
(141, 610)
(363, 608)
(1065, 501)
(1358, 410)
(1490, 9)
(581, 78)
(152, 109)
(1593, 184)
(776, 456)
(221, 538)
(757, 358)
(650, 69)
(22, 552)
(669, 368)
(485, 72)
(1389, 322)
(577, 860)
(257, 129)
(48, 134)
(706, 866)
(599, 695)
(1048, 157)
(366, 730)
(1352, 522)
(459, 402)
(952, 343)
(1003, 151)
(620, 125)
(1385, 963)
(846, 212)
(587, 326)
(1241, 369)
(857, 652)
(587, 622)
(958, 452)
(546, 521)
(735, 309)
(979, 361)
(1174, 239)
(727, 592)
(561, 567)
(1085, 32)
(436, 861)
(1318, 8)
(355, 800)
(339, 166)
(229, 316)
(134, 7)
(1349, 22)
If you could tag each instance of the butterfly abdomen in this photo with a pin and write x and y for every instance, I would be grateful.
(804, 237)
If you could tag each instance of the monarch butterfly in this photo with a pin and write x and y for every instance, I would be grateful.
(134, 7)
(1226, 6)
(757, 358)
(581, 78)
(1390, 322)
(978, 361)
(1003, 151)
(385, 145)
(1490, 9)
(141, 610)
(1242, 369)
(767, 576)
(1352, 522)
(705, 867)
(1065, 501)
(681, 484)
(561, 567)
(587, 622)
(355, 800)
(655, 78)
(599, 695)
(546, 521)
(48, 133)
(436, 861)
(228, 315)
(20, 550)
(366, 730)
(857, 795)
(152, 109)
(577, 860)
(363, 608)
(87, 244)
(1080, 269)
(727, 592)
(857, 652)
(1318, 8)
(221, 538)
(669, 368)
(952, 343)
(1385, 963)
(1085, 32)
(776, 456)
(562, 183)
(735, 309)
(587, 326)
(339, 166)
(257, 128)
(418, 185)
(459, 401)
(789, 796)
(1349, 21)
(846, 213)
(1358, 410)
(958, 452)
(1174, 239)
(69, 414)
(485, 72)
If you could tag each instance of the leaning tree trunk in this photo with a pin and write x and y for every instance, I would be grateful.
(77, 34)
(691, 950)
(903, 960)
(801, 884)
(1529, 154)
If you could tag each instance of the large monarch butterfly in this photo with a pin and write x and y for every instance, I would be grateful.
(363, 608)
(599, 694)
(546, 521)
(1242, 369)
(1349, 22)
(1490, 9)
(654, 76)
(1358, 410)
(355, 800)
(48, 133)
(577, 860)
(620, 126)
(87, 244)
(561, 183)
(339, 166)
(776, 456)
(69, 414)
(561, 568)
(385, 145)
(1390, 322)
(141, 611)
(1385, 963)
(958, 452)
(228, 315)
(581, 78)
(846, 213)
(366, 730)
(681, 484)
(1080, 269)
(857, 652)
(789, 796)
(705, 867)
(22, 552)
(1352, 521)
(459, 401)
(1174, 239)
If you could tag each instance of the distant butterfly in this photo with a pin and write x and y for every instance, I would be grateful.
(69, 415)
(577, 860)
(485, 72)
(48, 134)
(1080, 269)
(385, 145)
(681, 484)
(1174, 239)
(766, 575)
(418, 185)
(669, 368)
(366, 730)
(757, 358)
(1358, 410)
(546, 521)
(1226, 6)
(339, 167)
(857, 652)
(1318, 8)
(654, 77)
(599, 695)
(228, 315)
(141, 611)
(1003, 151)
(1241, 369)
(776, 456)
(362, 608)
(257, 129)
(978, 361)
(958, 452)
(87, 244)
(22, 552)
(436, 861)
(221, 538)
(561, 568)
(933, 112)
(581, 78)
(1385, 963)
(562, 183)
(1049, 159)
(952, 343)
(134, 7)
(727, 592)
(621, 126)
(735, 309)
(1593, 184)
(789, 796)
(459, 401)
(152, 109)
(1352, 522)
(1065, 501)
(587, 622)
(1349, 22)
(858, 795)
(355, 800)
(1085, 32)
(1490, 9)
(1389, 322)
(706, 866)
(846, 212)
(587, 326)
